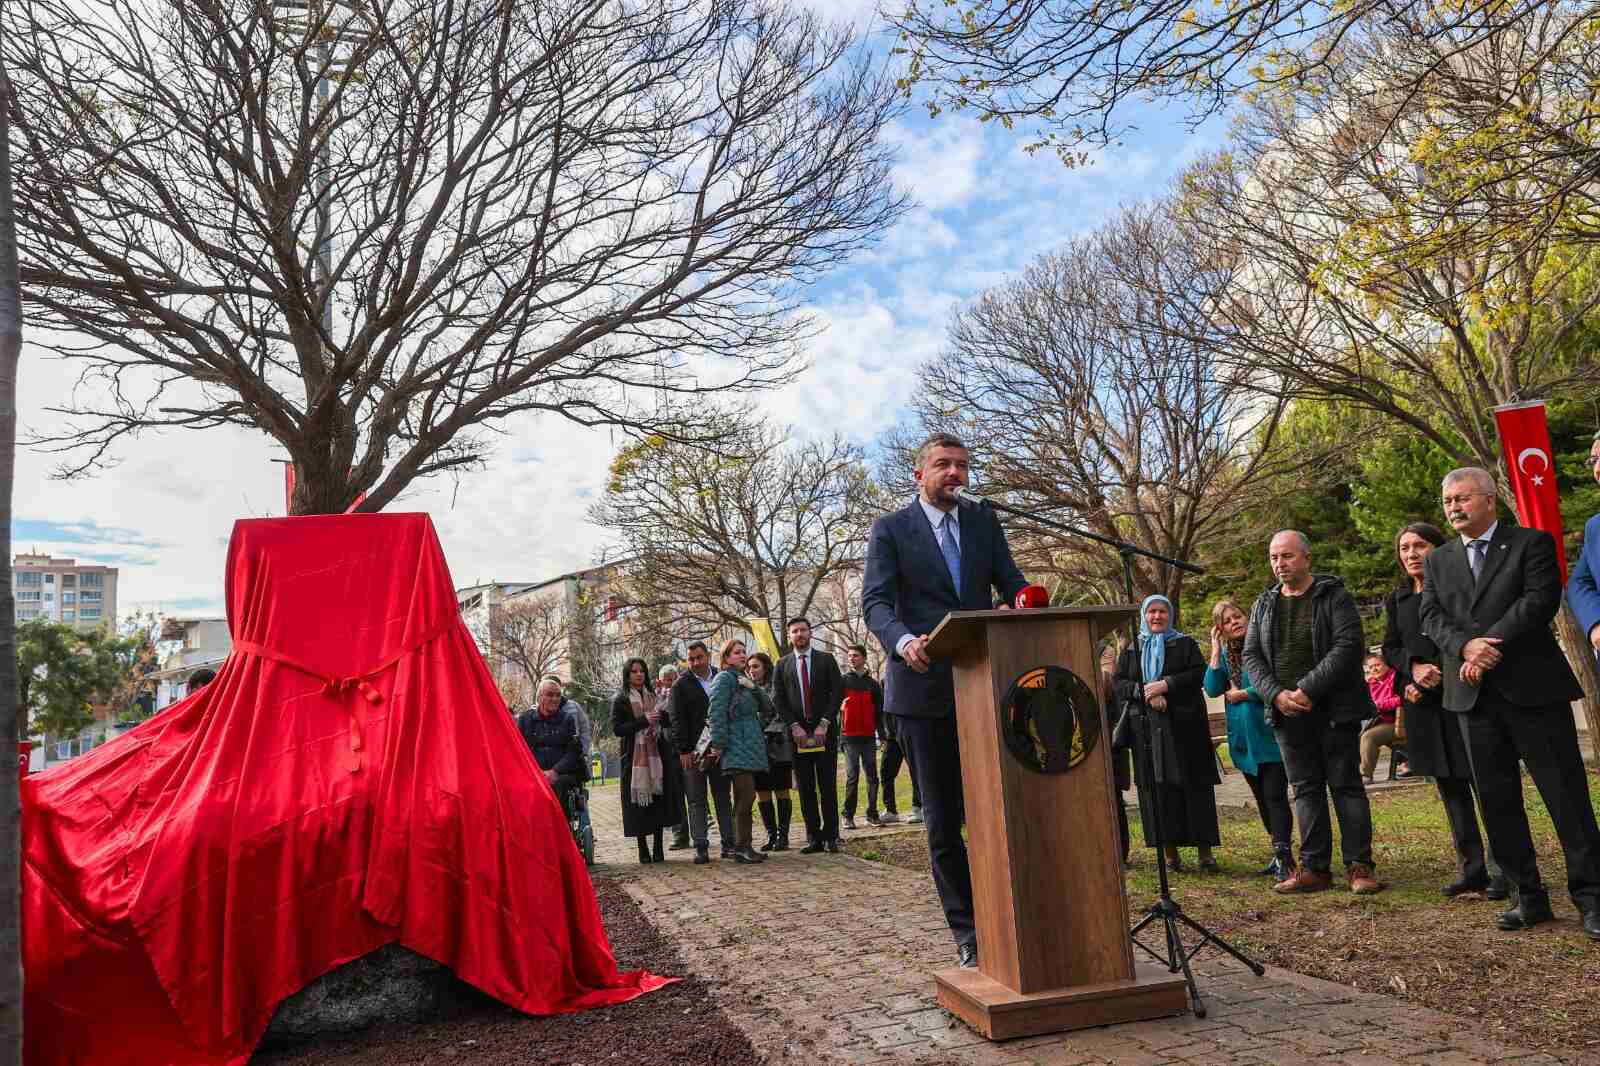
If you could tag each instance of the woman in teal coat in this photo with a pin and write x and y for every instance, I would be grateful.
(1250, 741)
(737, 740)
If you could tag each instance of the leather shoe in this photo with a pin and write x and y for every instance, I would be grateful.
(1529, 912)
(832, 846)
(1466, 884)
(1499, 888)
(1304, 879)
(702, 856)
(1363, 882)
(812, 848)
(1591, 924)
(968, 955)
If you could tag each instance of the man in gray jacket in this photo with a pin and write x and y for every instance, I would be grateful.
(1303, 652)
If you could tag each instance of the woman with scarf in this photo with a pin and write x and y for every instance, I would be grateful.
(1166, 669)
(649, 789)
(738, 744)
(1251, 745)
(773, 787)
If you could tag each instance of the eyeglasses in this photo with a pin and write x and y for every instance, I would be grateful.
(1463, 498)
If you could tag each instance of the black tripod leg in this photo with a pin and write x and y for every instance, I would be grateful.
(1211, 938)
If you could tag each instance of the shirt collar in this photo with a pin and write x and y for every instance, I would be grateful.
(1486, 535)
(936, 516)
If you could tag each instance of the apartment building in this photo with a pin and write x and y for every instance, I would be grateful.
(82, 595)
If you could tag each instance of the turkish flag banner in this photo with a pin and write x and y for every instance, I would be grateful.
(1525, 442)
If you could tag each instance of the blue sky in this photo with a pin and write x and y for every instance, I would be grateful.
(985, 208)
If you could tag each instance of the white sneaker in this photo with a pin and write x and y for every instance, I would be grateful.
(888, 817)
(915, 815)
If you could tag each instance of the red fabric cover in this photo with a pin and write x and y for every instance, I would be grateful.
(181, 880)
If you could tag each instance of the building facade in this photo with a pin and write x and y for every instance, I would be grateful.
(203, 644)
(81, 595)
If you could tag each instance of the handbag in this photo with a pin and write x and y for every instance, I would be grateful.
(780, 746)
(702, 745)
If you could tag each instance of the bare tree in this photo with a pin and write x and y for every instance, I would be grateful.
(1084, 404)
(10, 802)
(1073, 67)
(530, 635)
(374, 231)
(756, 530)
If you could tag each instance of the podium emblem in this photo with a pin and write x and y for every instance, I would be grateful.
(1052, 719)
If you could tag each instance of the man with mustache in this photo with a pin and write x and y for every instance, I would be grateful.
(1488, 598)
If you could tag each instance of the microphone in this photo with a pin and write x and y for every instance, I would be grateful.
(966, 495)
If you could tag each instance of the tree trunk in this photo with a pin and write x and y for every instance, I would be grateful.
(1580, 653)
(10, 803)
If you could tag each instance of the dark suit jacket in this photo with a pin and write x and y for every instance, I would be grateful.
(827, 692)
(907, 589)
(1516, 598)
(690, 705)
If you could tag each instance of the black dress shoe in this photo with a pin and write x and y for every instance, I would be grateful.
(1465, 884)
(1529, 912)
(702, 856)
(967, 954)
(1591, 924)
(1499, 888)
(812, 848)
(832, 846)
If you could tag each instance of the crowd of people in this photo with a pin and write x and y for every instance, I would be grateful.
(1468, 668)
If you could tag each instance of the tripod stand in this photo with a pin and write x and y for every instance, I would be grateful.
(1165, 909)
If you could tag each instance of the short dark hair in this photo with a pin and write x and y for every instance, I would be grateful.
(938, 440)
(199, 680)
(801, 621)
(862, 648)
(700, 644)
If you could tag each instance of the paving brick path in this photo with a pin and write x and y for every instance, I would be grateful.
(838, 953)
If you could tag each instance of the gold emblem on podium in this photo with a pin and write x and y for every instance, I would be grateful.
(1051, 719)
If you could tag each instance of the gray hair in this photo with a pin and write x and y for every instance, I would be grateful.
(665, 670)
(548, 681)
(1484, 479)
(1305, 541)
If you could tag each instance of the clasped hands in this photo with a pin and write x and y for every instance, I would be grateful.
(1155, 694)
(1478, 656)
(818, 735)
(1292, 702)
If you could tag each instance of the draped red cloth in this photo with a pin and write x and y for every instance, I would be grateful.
(350, 779)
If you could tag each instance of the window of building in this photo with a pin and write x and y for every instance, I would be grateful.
(90, 596)
(89, 614)
(91, 581)
(27, 595)
(25, 614)
(68, 597)
(69, 581)
(49, 579)
(26, 578)
(69, 616)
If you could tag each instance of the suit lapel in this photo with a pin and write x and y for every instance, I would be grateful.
(1492, 559)
(922, 533)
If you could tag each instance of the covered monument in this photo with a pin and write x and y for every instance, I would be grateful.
(350, 779)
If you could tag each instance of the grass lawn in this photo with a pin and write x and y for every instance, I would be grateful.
(1538, 989)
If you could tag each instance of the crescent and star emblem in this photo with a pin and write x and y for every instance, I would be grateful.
(1522, 464)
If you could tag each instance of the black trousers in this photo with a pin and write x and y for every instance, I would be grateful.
(816, 778)
(1462, 814)
(1545, 738)
(1270, 786)
(1323, 757)
(889, 763)
(934, 751)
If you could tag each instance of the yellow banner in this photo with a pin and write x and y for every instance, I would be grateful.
(761, 629)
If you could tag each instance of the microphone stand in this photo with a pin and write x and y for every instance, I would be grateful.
(1165, 909)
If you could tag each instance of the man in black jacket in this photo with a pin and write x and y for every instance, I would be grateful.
(691, 701)
(1488, 598)
(1303, 652)
(807, 690)
(552, 737)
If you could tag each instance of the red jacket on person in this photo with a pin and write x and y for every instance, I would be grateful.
(863, 704)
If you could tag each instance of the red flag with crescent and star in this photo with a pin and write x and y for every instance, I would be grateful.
(1525, 442)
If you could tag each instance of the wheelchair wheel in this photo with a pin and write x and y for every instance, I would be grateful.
(586, 845)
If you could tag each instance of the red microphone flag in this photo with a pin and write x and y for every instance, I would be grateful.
(1525, 442)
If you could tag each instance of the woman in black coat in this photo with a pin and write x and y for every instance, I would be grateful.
(1433, 735)
(1173, 669)
(650, 789)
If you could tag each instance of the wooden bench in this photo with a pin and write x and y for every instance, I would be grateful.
(1217, 722)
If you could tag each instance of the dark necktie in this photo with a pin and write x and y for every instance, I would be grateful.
(1475, 553)
(805, 687)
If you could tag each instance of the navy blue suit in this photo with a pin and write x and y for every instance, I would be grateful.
(908, 590)
(1583, 587)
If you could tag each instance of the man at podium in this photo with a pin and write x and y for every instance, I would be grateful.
(925, 560)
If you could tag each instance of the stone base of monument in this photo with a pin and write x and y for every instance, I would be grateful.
(391, 985)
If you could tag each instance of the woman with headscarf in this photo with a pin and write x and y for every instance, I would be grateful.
(1251, 743)
(1433, 737)
(650, 789)
(1165, 669)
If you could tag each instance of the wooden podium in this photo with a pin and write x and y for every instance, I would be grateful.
(1048, 893)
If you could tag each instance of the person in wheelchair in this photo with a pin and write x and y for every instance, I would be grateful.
(552, 737)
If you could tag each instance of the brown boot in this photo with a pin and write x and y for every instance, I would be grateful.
(1305, 879)
(1363, 882)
